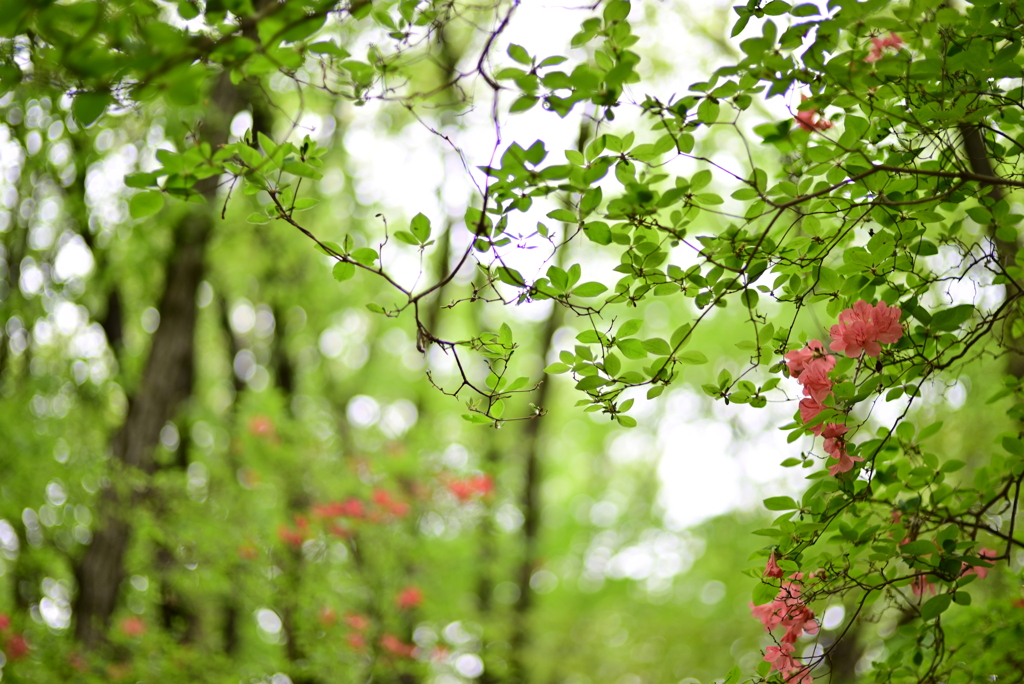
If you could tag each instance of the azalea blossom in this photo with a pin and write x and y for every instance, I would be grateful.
(813, 354)
(781, 657)
(979, 570)
(808, 119)
(864, 328)
(921, 585)
(835, 446)
(879, 44)
(809, 410)
(816, 382)
(772, 568)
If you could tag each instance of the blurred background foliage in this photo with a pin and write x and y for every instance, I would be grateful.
(317, 510)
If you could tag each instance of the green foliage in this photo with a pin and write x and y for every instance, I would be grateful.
(874, 150)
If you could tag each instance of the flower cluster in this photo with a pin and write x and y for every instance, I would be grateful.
(864, 328)
(878, 46)
(788, 611)
(811, 366)
(861, 329)
(478, 485)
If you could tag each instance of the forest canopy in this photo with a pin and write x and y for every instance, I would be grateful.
(445, 341)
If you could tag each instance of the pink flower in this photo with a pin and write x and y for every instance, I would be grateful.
(808, 119)
(878, 45)
(855, 338)
(862, 327)
(835, 446)
(980, 571)
(834, 440)
(772, 568)
(814, 353)
(809, 409)
(816, 382)
(921, 585)
(780, 657)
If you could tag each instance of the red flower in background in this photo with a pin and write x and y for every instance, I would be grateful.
(328, 616)
(356, 641)
(261, 426)
(409, 598)
(357, 621)
(878, 46)
(478, 485)
(248, 552)
(5, 622)
(395, 645)
(395, 507)
(133, 626)
(290, 537)
(16, 647)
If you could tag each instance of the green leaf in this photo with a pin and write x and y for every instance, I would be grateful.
(694, 358)
(301, 169)
(146, 204)
(919, 548)
(140, 180)
(505, 335)
(657, 346)
(951, 318)
(764, 593)
(407, 237)
(523, 104)
(780, 503)
(556, 368)
(420, 227)
(630, 327)
(591, 382)
(258, 217)
(519, 54)
(343, 270)
(589, 289)
(365, 255)
(935, 606)
(626, 421)
(88, 107)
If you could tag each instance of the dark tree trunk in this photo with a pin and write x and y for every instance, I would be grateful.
(166, 382)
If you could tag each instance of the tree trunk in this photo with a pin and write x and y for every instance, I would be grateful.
(166, 382)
